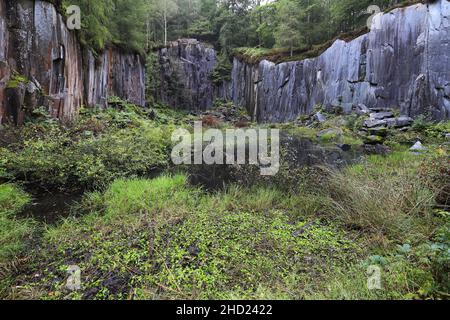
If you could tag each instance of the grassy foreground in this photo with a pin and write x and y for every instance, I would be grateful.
(140, 234)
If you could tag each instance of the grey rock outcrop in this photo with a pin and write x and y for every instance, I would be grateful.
(114, 73)
(403, 62)
(36, 45)
(320, 117)
(4, 67)
(186, 66)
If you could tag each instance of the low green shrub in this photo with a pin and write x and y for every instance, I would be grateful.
(101, 147)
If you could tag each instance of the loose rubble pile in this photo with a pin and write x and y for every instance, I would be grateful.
(228, 113)
(376, 127)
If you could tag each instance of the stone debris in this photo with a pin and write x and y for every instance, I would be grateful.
(320, 117)
(362, 109)
(377, 126)
(226, 114)
(370, 123)
(417, 147)
(381, 115)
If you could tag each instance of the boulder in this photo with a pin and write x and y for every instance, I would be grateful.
(373, 139)
(378, 131)
(361, 109)
(391, 122)
(417, 147)
(376, 149)
(381, 115)
(403, 121)
(335, 132)
(344, 147)
(370, 123)
(320, 117)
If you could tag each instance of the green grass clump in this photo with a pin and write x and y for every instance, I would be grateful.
(392, 200)
(301, 132)
(385, 196)
(407, 271)
(13, 231)
(164, 239)
(329, 136)
(245, 254)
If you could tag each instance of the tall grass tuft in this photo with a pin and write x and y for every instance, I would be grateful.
(385, 197)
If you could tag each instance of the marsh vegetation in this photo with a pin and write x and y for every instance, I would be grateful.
(141, 229)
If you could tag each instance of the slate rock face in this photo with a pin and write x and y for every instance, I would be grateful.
(4, 67)
(41, 49)
(404, 63)
(114, 73)
(185, 72)
(36, 44)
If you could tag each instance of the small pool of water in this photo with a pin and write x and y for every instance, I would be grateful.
(50, 207)
(295, 152)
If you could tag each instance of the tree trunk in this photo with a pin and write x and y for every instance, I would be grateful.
(292, 49)
(165, 25)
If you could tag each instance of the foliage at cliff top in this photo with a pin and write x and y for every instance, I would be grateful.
(299, 50)
(112, 22)
(279, 55)
(140, 25)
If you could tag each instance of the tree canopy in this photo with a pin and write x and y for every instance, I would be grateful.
(228, 24)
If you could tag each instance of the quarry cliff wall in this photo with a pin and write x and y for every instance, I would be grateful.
(43, 64)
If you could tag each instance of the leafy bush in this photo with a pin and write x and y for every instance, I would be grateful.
(102, 146)
(430, 131)
(407, 272)
(222, 71)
